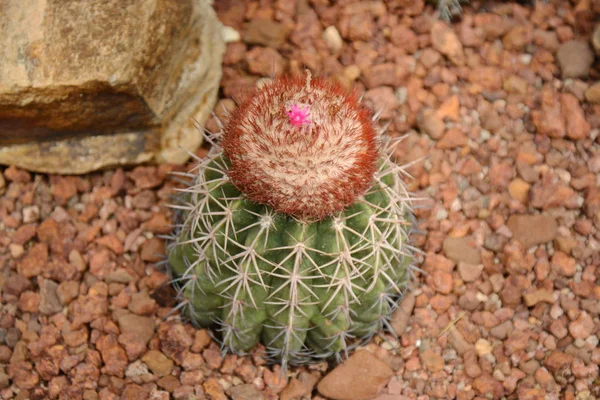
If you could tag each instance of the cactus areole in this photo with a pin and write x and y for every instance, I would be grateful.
(293, 231)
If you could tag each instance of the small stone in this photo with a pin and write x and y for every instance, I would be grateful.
(245, 392)
(519, 190)
(518, 37)
(62, 188)
(582, 327)
(265, 61)
(563, 264)
(445, 40)
(201, 340)
(295, 389)
(531, 230)
(18, 175)
(24, 234)
(469, 272)
(458, 342)
(142, 304)
(433, 361)
(174, 340)
(538, 296)
(213, 389)
(382, 100)
(483, 347)
(29, 302)
(265, 33)
(515, 84)
(134, 392)
(31, 214)
(50, 303)
(333, 39)
(159, 364)
(460, 249)
(487, 385)
(576, 124)
(153, 250)
(142, 327)
(34, 262)
(502, 330)
(213, 357)
(442, 281)
(67, 291)
(402, 314)
(192, 378)
(453, 138)
(575, 59)
(385, 75)
(430, 123)
(557, 360)
(472, 368)
(23, 375)
(362, 376)
(113, 355)
(592, 94)
(449, 109)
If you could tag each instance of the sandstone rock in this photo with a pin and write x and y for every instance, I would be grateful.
(75, 98)
(362, 376)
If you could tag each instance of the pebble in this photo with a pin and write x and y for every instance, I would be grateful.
(469, 272)
(159, 364)
(332, 37)
(382, 100)
(531, 230)
(139, 326)
(50, 303)
(266, 33)
(582, 327)
(445, 40)
(245, 392)
(362, 376)
(431, 124)
(461, 249)
(265, 61)
(401, 316)
(575, 58)
(230, 35)
(537, 296)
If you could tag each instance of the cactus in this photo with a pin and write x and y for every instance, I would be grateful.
(449, 8)
(294, 230)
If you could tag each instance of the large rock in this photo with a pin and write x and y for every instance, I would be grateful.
(122, 81)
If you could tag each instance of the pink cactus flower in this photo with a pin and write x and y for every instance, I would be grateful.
(298, 116)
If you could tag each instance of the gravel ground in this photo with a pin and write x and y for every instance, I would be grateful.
(501, 108)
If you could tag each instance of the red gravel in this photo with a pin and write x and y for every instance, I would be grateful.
(509, 302)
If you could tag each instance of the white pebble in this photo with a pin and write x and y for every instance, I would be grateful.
(230, 35)
(333, 38)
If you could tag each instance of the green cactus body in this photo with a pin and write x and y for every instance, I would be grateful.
(306, 289)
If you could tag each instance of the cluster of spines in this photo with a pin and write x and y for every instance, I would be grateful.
(211, 218)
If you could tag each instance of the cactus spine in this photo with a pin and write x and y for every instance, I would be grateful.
(293, 232)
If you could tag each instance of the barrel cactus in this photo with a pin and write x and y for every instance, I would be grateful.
(294, 230)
